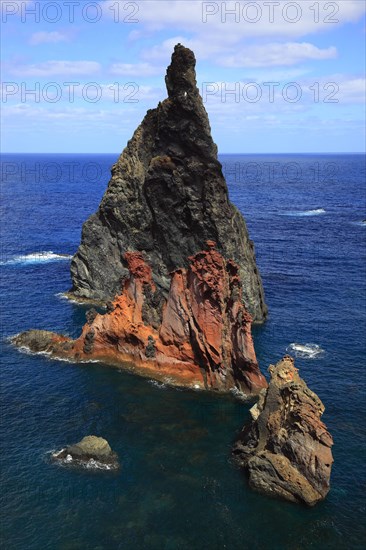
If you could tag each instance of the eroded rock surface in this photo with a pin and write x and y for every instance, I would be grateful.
(198, 336)
(286, 450)
(166, 198)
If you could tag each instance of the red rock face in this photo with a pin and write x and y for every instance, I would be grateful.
(203, 337)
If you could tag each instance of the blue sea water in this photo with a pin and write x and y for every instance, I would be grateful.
(178, 488)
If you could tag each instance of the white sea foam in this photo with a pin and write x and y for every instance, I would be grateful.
(66, 297)
(305, 351)
(28, 351)
(91, 464)
(36, 258)
(95, 465)
(238, 394)
(304, 213)
(157, 384)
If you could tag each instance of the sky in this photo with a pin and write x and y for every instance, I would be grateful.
(275, 76)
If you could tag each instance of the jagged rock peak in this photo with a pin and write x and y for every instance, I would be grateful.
(286, 449)
(181, 73)
(166, 198)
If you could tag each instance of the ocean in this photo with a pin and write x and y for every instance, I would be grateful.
(178, 488)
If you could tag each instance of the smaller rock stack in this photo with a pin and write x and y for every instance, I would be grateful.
(286, 450)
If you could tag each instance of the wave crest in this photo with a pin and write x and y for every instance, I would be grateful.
(90, 464)
(45, 256)
(305, 213)
(305, 351)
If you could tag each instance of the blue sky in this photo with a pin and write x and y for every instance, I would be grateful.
(295, 71)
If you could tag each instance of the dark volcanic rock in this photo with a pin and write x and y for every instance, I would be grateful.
(91, 451)
(166, 198)
(39, 341)
(286, 450)
(91, 315)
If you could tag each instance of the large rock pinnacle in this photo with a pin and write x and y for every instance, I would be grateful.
(166, 198)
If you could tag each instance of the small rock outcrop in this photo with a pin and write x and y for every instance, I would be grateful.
(42, 341)
(91, 452)
(198, 336)
(166, 198)
(286, 450)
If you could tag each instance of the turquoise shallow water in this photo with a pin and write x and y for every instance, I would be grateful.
(177, 488)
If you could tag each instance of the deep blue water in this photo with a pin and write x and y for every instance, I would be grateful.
(177, 488)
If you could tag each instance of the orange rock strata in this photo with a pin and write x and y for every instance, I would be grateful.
(200, 336)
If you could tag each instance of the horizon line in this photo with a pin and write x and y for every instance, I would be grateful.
(220, 153)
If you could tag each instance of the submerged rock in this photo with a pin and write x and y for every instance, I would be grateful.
(91, 452)
(198, 336)
(166, 198)
(286, 450)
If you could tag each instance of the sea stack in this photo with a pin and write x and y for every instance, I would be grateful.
(286, 449)
(169, 256)
(166, 198)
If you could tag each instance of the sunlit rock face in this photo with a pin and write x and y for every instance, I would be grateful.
(286, 450)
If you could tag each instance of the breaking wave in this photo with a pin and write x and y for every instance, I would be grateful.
(64, 296)
(238, 394)
(305, 213)
(36, 258)
(305, 351)
(91, 464)
(157, 384)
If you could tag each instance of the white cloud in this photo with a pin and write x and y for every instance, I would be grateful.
(11, 8)
(189, 16)
(138, 69)
(276, 54)
(48, 38)
(55, 68)
(353, 90)
(264, 55)
(17, 3)
(346, 89)
(223, 37)
(333, 93)
(203, 49)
